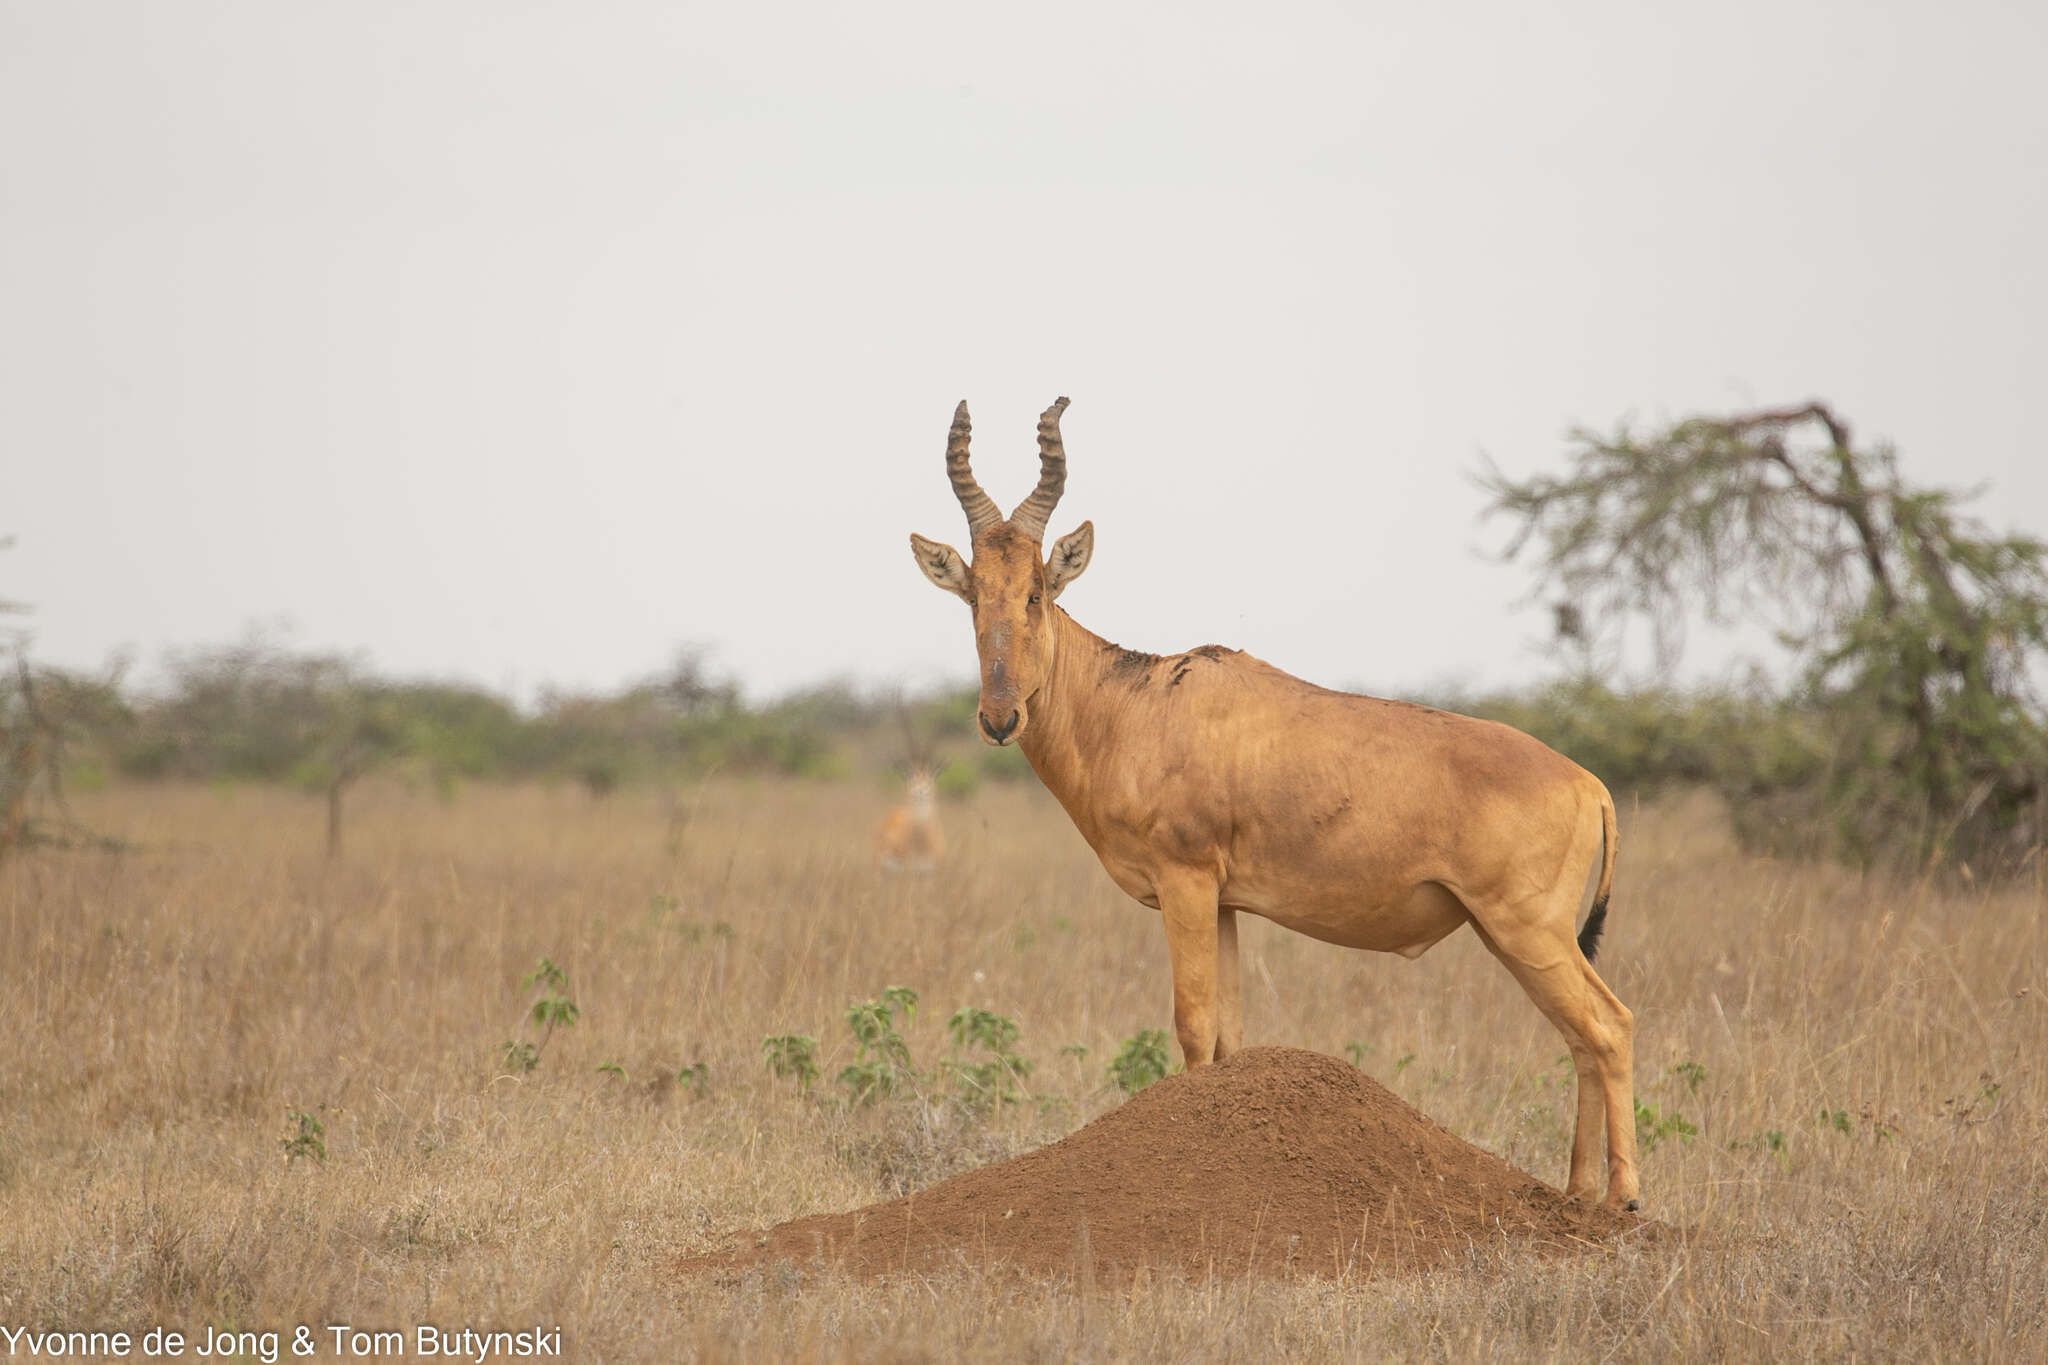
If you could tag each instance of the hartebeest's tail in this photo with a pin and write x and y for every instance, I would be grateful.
(1596, 920)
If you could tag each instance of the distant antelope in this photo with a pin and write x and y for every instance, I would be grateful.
(1210, 782)
(909, 837)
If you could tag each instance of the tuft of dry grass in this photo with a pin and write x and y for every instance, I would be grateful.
(1869, 1176)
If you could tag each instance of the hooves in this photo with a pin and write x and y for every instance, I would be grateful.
(1631, 1205)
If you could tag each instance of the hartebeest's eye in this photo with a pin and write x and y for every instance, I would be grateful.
(1034, 599)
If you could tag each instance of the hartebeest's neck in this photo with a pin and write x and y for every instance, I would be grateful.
(1074, 712)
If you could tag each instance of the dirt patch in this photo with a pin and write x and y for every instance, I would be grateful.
(1276, 1160)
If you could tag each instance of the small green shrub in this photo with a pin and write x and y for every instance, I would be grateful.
(1770, 1142)
(1141, 1060)
(305, 1136)
(791, 1057)
(551, 1009)
(1652, 1126)
(998, 1079)
(662, 914)
(881, 1063)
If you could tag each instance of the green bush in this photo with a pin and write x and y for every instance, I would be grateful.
(791, 1057)
(998, 1078)
(881, 1065)
(1141, 1060)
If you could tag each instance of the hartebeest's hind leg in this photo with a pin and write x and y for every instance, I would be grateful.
(1535, 943)
(1187, 905)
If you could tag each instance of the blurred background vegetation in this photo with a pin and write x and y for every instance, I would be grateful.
(1893, 722)
(260, 711)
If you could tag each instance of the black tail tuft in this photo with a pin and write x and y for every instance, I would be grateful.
(1589, 937)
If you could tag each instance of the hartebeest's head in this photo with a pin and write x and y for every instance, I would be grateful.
(1010, 589)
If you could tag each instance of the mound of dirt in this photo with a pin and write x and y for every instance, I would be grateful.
(1276, 1160)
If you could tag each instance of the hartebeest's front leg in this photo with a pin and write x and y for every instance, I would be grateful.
(1229, 996)
(1187, 905)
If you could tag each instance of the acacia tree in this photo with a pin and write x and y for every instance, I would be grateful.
(353, 730)
(1914, 630)
(43, 712)
(256, 710)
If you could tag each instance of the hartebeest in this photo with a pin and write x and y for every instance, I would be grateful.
(1210, 782)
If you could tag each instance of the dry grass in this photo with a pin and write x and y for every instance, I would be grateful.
(164, 1008)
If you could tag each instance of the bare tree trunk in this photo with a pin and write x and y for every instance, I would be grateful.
(1857, 504)
(28, 759)
(15, 782)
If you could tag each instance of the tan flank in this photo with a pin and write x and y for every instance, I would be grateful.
(1209, 782)
(909, 838)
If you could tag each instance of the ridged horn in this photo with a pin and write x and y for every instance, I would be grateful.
(981, 509)
(1032, 513)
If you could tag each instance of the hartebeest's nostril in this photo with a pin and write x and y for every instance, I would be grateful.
(999, 733)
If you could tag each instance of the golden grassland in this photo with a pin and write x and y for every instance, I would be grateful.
(1862, 1062)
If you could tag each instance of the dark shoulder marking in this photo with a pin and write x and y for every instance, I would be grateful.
(1212, 653)
(1133, 666)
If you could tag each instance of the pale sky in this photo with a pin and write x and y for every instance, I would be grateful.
(524, 342)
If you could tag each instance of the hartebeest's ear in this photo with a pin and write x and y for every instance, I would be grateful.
(1069, 556)
(941, 564)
